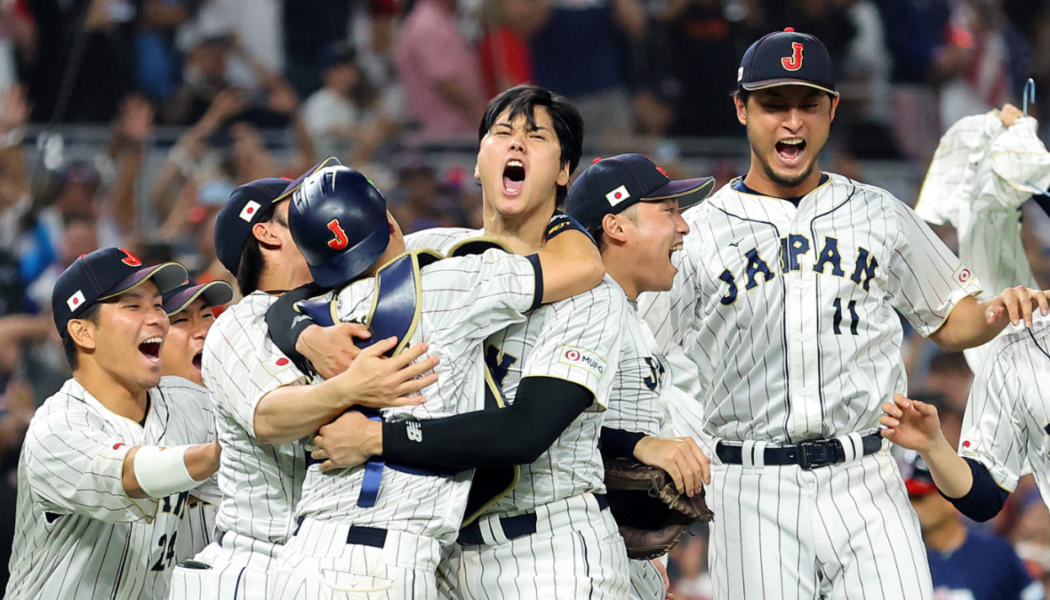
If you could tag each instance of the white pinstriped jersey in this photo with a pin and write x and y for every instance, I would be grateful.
(636, 402)
(789, 311)
(260, 483)
(78, 535)
(1007, 422)
(576, 340)
(464, 300)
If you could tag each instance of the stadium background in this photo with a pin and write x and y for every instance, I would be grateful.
(128, 122)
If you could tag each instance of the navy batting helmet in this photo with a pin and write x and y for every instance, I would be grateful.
(338, 221)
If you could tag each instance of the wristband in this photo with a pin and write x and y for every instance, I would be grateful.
(561, 222)
(162, 472)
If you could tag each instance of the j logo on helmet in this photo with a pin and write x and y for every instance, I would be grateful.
(340, 240)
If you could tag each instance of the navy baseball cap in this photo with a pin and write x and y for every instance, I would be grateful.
(248, 204)
(215, 293)
(104, 274)
(613, 184)
(917, 477)
(787, 58)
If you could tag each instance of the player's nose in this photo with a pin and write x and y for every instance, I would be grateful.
(680, 225)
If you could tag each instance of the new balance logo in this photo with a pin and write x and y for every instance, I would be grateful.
(415, 431)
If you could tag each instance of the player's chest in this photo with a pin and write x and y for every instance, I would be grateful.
(784, 252)
(642, 366)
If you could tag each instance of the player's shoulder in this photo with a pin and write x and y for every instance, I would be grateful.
(857, 191)
(439, 238)
(1021, 343)
(238, 318)
(178, 387)
(604, 301)
(69, 405)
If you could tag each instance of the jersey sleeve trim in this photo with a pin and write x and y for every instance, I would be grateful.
(590, 388)
(537, 299)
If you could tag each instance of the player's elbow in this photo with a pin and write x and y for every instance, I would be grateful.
(268, 432)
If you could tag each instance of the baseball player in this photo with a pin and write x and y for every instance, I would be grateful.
(1004, 430)
(355, 534)
(106, 467)
(189, 311)
(551, 535)
(260, 406)
(785, 300)
(638, 232)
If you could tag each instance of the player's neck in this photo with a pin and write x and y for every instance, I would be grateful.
(119, 397)
(524, 233)
(620, 269)
(947, 538)
(757, 180)
(277, 277)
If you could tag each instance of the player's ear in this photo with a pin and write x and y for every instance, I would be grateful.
(741, 110)
(265, 234)
(82, 332)
(477, 172)
(612, 228)
(834, 105)
(563, 175)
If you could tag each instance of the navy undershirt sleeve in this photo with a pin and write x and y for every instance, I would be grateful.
(985, 499)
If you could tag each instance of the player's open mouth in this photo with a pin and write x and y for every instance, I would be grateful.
(791, 150)
(151, 349)
(513, 177)
(675, 248)
(197, 360)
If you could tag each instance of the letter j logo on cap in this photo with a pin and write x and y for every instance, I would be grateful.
(793, 62)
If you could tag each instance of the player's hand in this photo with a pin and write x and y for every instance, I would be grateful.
(331, 350)
(680, 457)
(911, 424)
(347, 441)
(1015, 304)
(1009, 114)
(660, 568)
(378, 382)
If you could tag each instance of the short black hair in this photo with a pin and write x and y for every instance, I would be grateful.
(522, 100)
(69, 347)
(742, 94)
(251, 264)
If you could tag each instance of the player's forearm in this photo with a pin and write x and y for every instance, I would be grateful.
(950, 472)
(571, 265)
(967, 326)
(295, 411)
(155, 472)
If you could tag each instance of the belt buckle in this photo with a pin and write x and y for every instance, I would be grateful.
(809, 457)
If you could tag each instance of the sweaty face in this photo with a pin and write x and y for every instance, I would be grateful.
(182, 351)
(129, 337)
(520, 166)
(787, 127)
(654, 236)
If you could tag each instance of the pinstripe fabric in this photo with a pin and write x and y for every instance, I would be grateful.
(789, 314)
(646, 582)
(1007, 421)
(78, 535)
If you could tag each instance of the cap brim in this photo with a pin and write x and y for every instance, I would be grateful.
(215, 293)
(919, 487)
(688, 191)
(166, 277)
(772, 83)
(331, 161)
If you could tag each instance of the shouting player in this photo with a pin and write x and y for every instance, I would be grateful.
(189, 312)
(261, 409)
(355, 534)
(106, 467)
(785, 300)
(631, 208)
(552, 535)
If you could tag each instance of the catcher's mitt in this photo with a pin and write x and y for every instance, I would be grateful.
(650, 511)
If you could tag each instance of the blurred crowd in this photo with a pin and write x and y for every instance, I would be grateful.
(227, 91)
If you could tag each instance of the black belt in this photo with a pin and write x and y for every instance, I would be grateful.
(810, 454)
(513, 527)
(358, 536)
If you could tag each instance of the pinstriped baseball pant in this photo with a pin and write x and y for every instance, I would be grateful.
(836, 532)
(319, 564)
(238, 566)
